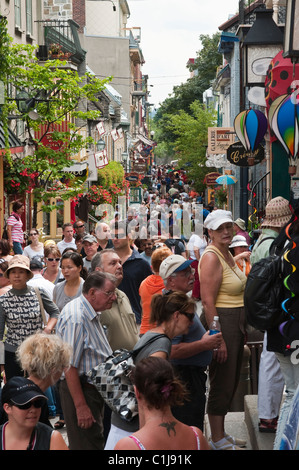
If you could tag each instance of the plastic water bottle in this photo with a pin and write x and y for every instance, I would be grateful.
(215, 326)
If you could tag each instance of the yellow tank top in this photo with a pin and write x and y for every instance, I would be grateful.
(231, 291)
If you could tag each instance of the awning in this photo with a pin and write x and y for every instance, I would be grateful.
(145, 140)
(15, 145)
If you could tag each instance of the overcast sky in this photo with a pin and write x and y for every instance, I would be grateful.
(170, 31)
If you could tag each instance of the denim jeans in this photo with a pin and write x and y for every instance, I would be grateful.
(17, 248)
(291, 377)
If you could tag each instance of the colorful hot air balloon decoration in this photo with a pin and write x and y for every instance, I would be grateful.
(283, 119)
(250, 127)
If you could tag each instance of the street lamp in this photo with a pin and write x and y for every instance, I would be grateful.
(291, 34)
(262, 42)
(100, 145)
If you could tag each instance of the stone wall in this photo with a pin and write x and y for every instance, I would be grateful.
(55, 9)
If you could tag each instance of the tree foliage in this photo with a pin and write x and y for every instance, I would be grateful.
(191, 139)
(59, 95)
(205, 65)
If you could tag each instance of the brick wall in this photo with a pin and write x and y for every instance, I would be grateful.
(79, 13)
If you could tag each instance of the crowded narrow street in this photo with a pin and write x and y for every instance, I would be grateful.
(149, 227)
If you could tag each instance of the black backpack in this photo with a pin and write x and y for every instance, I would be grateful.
(265, 291)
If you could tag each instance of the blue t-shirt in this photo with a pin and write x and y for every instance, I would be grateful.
(195, 333)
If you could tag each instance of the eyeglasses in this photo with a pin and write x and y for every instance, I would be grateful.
(80, 226)
(53, 259)
(190, 316)
(36, 403)
(223, 227)
(185, 272)
(110, 293)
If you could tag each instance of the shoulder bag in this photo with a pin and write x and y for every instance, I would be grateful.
(113, 382)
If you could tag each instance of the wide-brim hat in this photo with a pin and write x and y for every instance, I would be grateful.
(20, 390)
(238, 240)
(217, 218)
(278, 213)
(19, 261)
(173, 264)
(240, 223)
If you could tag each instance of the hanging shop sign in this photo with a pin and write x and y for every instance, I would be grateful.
(210, 178)
(239, 156)
(132, 177)
(219, 139)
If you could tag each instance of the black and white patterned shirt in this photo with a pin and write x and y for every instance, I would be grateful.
(21, 314)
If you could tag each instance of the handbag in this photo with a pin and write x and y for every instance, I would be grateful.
(42, 310)
(113, 382)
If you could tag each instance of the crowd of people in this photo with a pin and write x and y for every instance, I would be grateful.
(160, 272)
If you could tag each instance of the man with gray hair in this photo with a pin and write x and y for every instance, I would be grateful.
(190, 353)
(119, 321)
(78, 325)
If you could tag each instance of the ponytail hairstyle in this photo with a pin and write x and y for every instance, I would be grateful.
(155, 380)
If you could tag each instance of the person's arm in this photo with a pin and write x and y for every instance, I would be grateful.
(52, 309)
(210, 281)
(8, 228)
(84, 414)
(206, 343)
(57, 442)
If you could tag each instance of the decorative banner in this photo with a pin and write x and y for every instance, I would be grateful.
(286, 280)
(251, 127)
(100, 128)
(114, 134)
(120, 133)
(237, 155)
(101, 159)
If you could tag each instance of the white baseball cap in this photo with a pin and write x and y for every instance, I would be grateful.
(173, 264)
(217, 218)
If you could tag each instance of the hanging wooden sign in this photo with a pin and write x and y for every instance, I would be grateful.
(239, 156)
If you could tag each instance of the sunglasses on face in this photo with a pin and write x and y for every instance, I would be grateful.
(53, 259)
(80, 226)
(190, 316)
(36, 403)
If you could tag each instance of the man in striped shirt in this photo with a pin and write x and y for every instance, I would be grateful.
(78, 325)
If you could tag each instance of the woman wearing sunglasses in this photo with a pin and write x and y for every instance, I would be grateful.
(172, 314)
(35, 248)
(52, 271)
(22, 401)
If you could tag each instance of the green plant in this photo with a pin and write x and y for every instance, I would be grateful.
(220, 197)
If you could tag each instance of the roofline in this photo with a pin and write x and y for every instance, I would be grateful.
(235, 18)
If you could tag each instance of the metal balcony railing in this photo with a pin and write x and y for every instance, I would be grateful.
(61, 40)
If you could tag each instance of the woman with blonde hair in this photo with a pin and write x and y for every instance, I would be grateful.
(150, 286)
(43, 358)
(157, 390)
